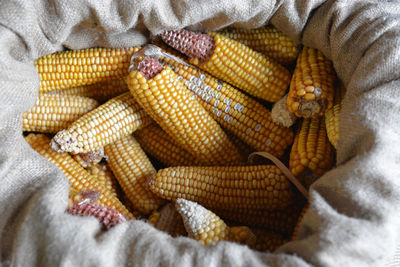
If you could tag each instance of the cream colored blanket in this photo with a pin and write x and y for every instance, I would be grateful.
(354, 217)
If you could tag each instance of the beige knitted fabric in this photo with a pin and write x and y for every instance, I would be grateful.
(354, 215)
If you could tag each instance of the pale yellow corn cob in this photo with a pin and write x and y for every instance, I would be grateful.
(168, 102)
(226, 187)
(107, 123)
(104, 176)
(268, 41)
(89, 158)
(232, 62)
(80, 67)
(53, 113)
(132, 169)
(168, 220)
(157, 143)
(102, 91)
(235, 111)
(332, 116)
(77, 176)
(281, 115)
(202, 224)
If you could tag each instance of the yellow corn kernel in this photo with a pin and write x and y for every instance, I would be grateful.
(132, 169)
(82, 67)
(311, 155)
(77, 176)
(312, 86)
(101, 91)
(232, 62)
(267, 40)
(332, 116)
(168, 102)
(226, 187)
(158, 144)
(53, 113)
(109, 122)
(104, 176)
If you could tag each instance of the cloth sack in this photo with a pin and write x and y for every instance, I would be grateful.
(354, 209)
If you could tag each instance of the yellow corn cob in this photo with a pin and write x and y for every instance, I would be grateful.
(104, 176)
(53, 113)
(81, 67)
(281, 115)
(168, 102)
(168, 220)
(201, 224)
(312, 87)
(90, 158)
(244, 149)
(132, 169)
(243, 235)
(281, 221)
(226, 187)
(267, 240)
(157, 143)
(235, 111)
(299, 220)
(232, 62)
(332, 116)
(268, 41)
(109, 122)
(101, 91)
(77, 176)
(311, 155)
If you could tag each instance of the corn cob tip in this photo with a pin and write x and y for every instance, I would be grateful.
(194, 45)
(149, 67)
(90, 158)
(281, 115)
(63, 141)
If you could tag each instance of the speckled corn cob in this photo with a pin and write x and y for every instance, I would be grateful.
(201, 224)
(90, 158)
(226, 187)
(109, 122)
(53, 113)
(104, 176)
(102, 91)
(168, 102)
(332, 116)
(281, 115)
(168, 220)
(232, 62)
(77, 176)
(157, 143)
(132, 169)
(312, 87)
(107, 216)
(235, 111)
(268, 41)
(311, 155)
(81, 67)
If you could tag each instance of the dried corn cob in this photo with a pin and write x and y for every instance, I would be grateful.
(157, 143)
(311, 155)
(104, 176)
(132, 169)
(167, 101)
(101, 91)
(109, 122)
(267, 240)
(77, 176)
(268, 41)
(107, 216)
(235, 111)
(168, 220)
(281, 221)
(244, 149)
(81, 67)
(201, 224)
(53, 113)
(299, 220)
(226, 187)
(332, 116)
(232, 62)
(281, 115)
(243, 235)
(90, 158)
(312, 86)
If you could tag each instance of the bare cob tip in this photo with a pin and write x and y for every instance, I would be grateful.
(149, 67)
(90, 158)
(63, 141)
(281, 115)
(194, 45)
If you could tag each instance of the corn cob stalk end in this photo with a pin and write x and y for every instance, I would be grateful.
(281, 115)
